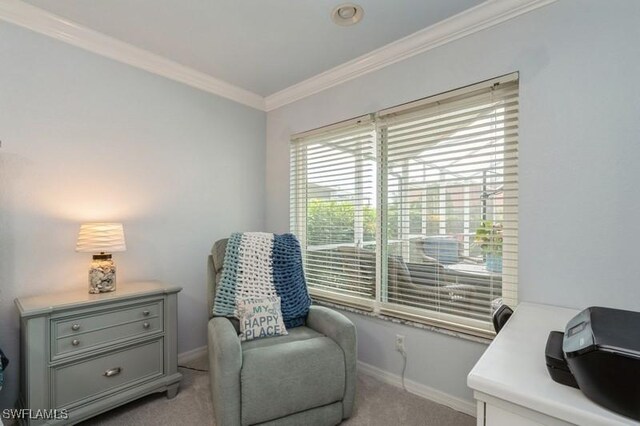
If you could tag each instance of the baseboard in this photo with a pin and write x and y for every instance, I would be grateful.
(192, 355)
(419, 389)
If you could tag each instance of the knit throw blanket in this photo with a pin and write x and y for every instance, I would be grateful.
(258, 264)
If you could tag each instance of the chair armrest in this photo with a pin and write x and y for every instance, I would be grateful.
(342, 331)
(225, 363)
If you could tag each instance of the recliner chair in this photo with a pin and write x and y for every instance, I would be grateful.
(305, 378)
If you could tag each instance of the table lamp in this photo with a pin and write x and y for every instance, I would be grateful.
(102, 239)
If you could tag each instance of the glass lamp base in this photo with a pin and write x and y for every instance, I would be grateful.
(102, 276)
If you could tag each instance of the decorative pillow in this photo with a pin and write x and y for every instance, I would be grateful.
(260, 317)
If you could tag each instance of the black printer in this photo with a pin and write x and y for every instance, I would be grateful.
(599, 353)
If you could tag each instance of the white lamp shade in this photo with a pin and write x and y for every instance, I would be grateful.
(101, 237)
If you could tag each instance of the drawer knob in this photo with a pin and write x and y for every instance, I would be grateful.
(75, 327)
(145, 313)
(75, 342)
(112, 372)
(146, 324)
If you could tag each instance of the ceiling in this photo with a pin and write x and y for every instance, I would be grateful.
(260, 45)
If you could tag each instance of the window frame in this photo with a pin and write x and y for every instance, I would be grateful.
(380, 304)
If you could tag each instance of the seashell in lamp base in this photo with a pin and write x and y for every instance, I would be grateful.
(102, 274)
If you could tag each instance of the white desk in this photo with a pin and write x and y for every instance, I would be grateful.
(511, 383)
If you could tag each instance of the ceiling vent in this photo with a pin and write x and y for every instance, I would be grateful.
(347, 14)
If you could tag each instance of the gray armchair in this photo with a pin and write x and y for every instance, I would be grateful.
(307, 377)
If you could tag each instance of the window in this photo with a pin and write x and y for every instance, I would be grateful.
(333, 209)
(412, 211)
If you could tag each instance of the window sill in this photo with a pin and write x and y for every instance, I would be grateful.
(432, 328)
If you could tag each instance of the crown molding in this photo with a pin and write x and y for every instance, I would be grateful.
(470, 21)
(43, 22)
(478, 18)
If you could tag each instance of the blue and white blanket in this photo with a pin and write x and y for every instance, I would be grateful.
(260, 264)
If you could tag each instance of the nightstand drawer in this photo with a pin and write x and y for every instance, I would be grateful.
(81, 341)
(74, 334)
(66, 326)
(95, 377)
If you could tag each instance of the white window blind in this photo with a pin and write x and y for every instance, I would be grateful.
(420, 202)
(451, 201)
(333, 199)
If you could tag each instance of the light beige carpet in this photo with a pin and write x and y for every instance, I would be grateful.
(377, 403)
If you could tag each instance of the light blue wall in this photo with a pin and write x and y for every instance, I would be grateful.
(579, 63)
(85, 138)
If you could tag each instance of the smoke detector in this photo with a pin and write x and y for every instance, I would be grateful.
(347, 14)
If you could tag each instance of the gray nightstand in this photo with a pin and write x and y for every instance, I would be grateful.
(88, 353)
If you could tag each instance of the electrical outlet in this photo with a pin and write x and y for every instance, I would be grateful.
(400, 343)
